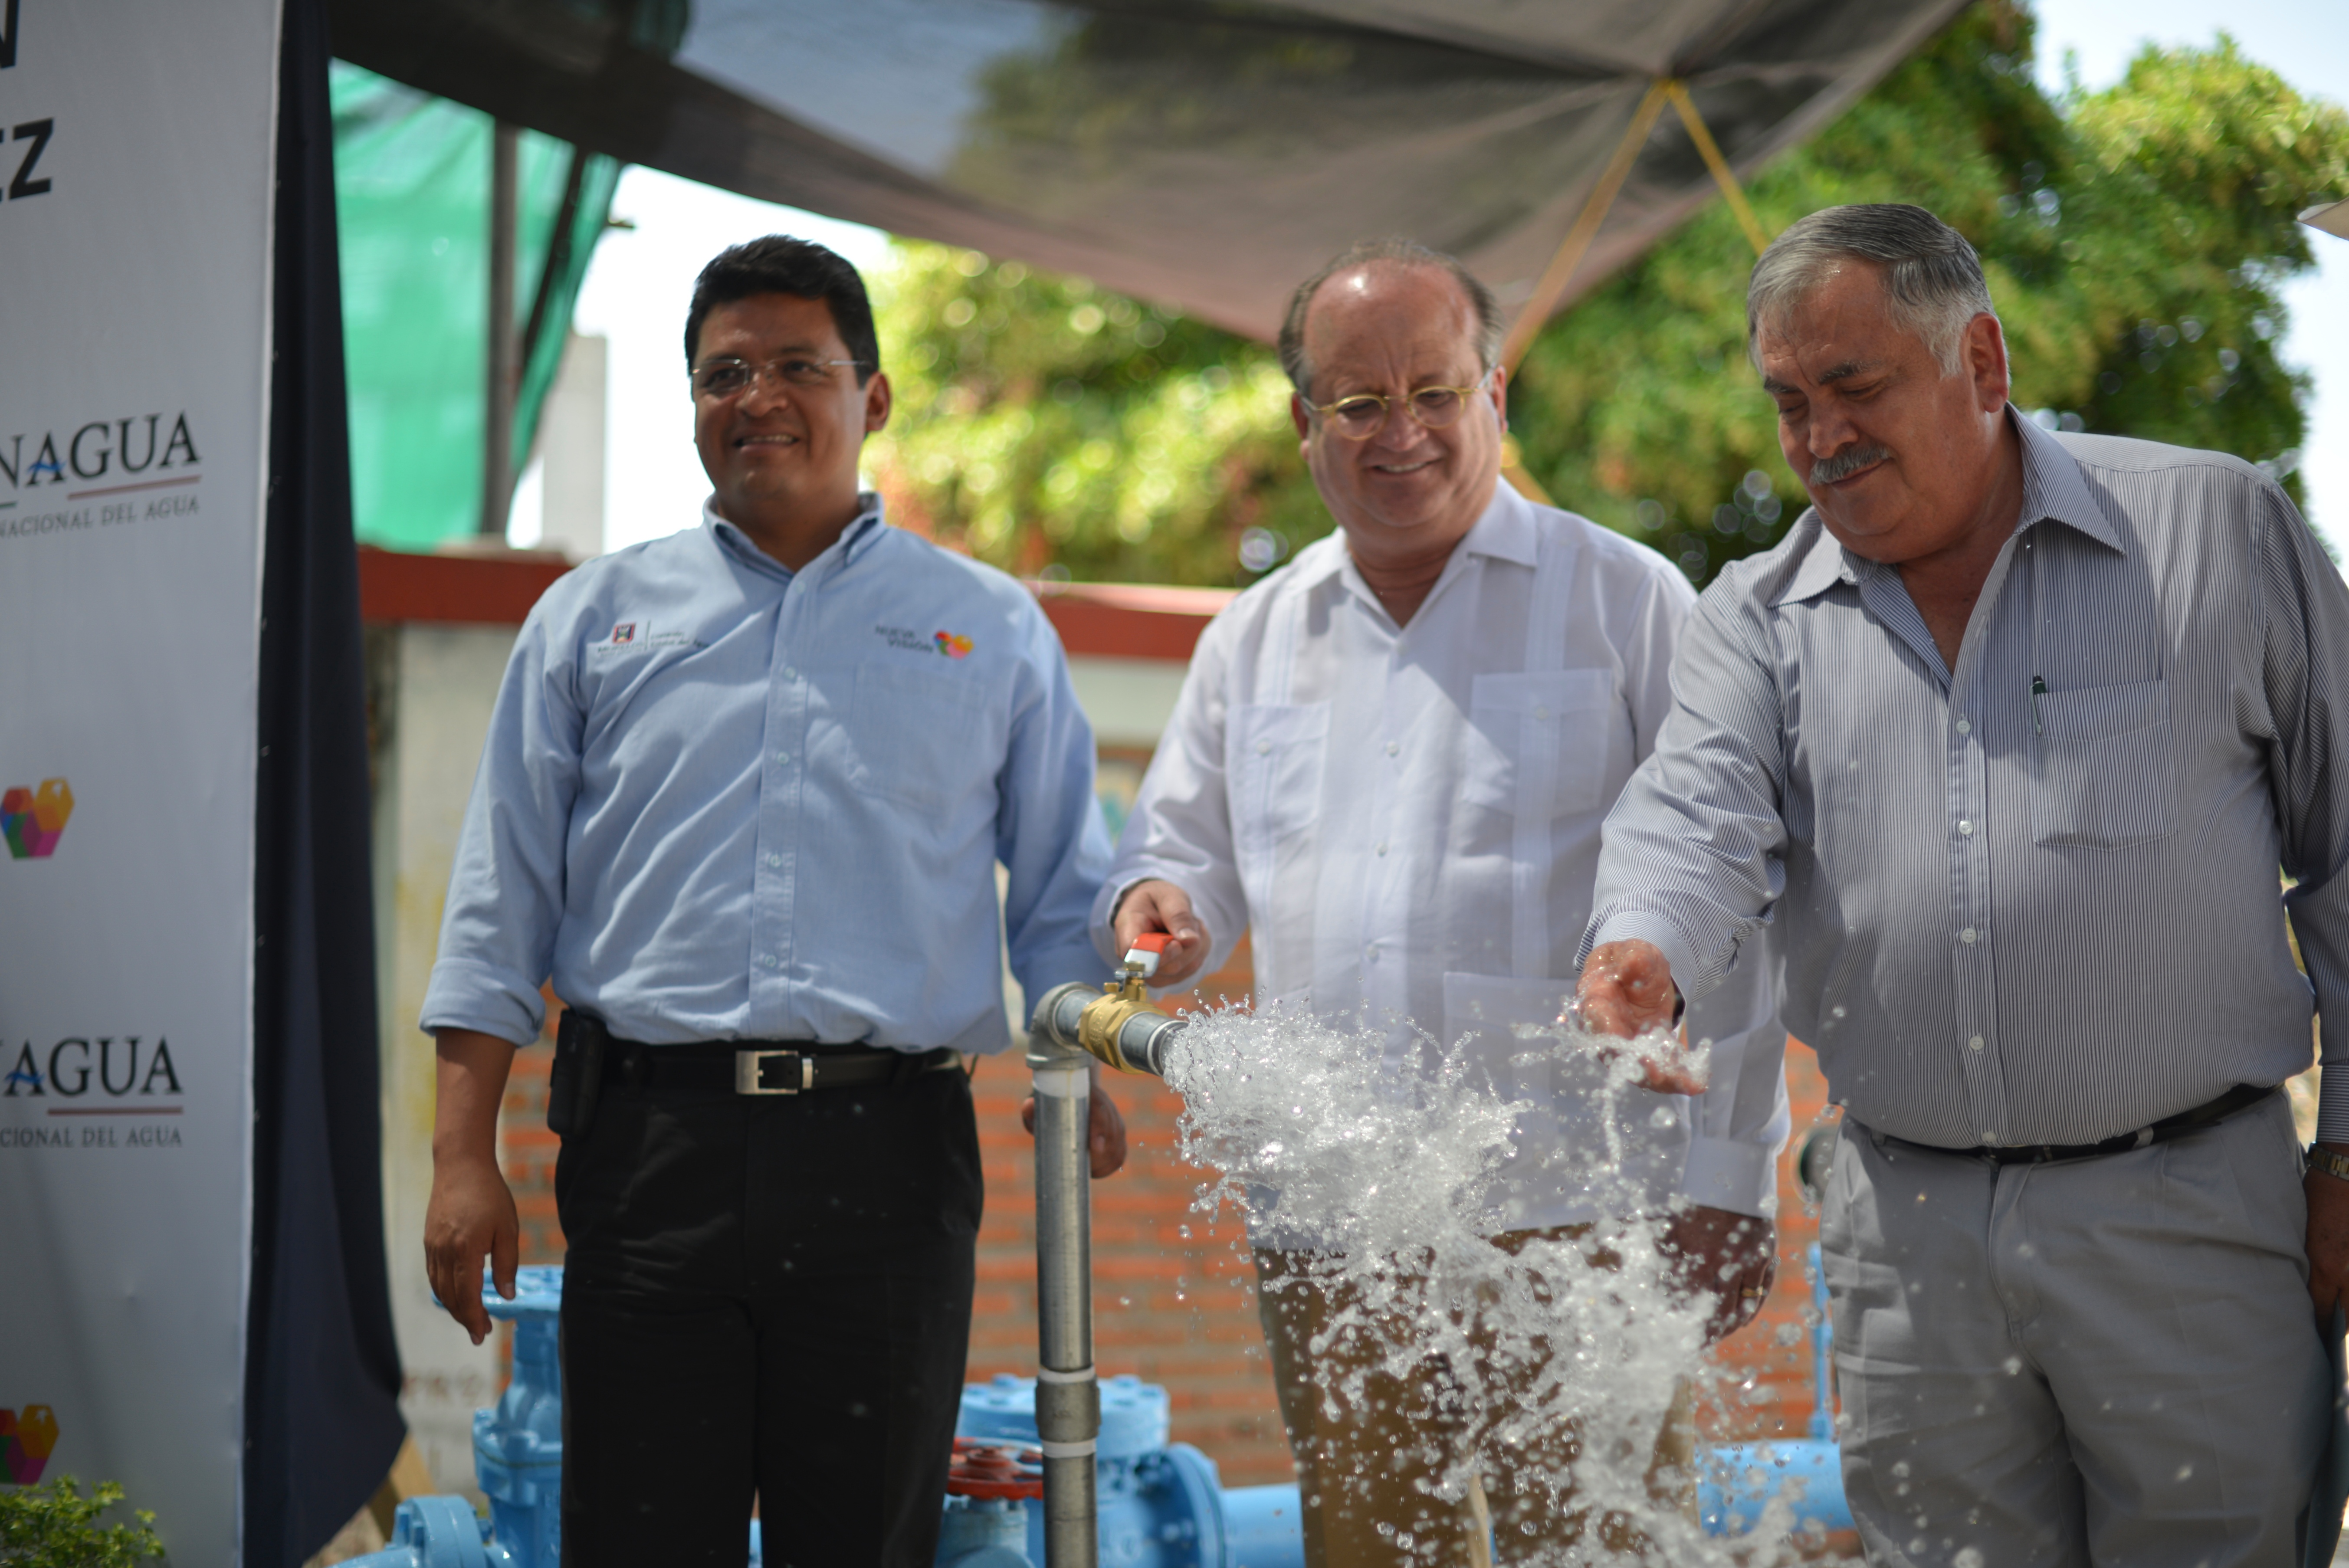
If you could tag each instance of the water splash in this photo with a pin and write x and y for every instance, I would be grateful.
(1387, 1178)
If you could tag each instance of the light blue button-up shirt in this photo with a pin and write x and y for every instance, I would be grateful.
(723, 801)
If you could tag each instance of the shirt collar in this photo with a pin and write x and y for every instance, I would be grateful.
(1505, 531)
(853, 541)
(2053, 491)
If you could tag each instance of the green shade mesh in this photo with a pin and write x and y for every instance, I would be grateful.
(413, 196)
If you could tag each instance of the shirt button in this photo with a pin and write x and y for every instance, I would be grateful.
(790, 673)
(1371, 954)
(773, 858)
(1264, 749)
(1395, 747)
(1968, 935)
(1965, 727)
(1541, 713)
(1974, 1044)
(1382, 846)
(1965, 826)
(783, 756)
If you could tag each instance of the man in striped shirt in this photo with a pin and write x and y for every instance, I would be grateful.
(2009, 737)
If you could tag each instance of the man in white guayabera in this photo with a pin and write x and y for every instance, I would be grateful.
(1390, 762)
(2009, 737)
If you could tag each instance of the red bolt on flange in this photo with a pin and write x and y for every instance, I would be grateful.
(994, 1469)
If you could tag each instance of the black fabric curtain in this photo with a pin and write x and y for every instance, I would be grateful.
(322, 1367)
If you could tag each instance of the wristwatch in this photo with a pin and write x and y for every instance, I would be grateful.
(2334, 1165)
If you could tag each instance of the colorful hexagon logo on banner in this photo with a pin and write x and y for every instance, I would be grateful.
(33, 820)
(26, 1439)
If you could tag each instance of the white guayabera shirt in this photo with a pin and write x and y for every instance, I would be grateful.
(1407, 818)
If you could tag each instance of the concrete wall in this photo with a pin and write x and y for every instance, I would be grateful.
(431, 687)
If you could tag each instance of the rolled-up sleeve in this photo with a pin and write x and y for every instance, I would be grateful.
(1181, 827)
(1691, 857)
(2304, 676)
(506, 889)
(1049, 836)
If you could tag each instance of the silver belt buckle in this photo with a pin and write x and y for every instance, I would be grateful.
(750, 1072)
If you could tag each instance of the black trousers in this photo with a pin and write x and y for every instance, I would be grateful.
(765, 1296)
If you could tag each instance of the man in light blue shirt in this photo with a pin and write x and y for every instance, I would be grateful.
(742, 801)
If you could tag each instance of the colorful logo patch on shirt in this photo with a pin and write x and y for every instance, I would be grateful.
(951, 646)
(33, 821)
(626, 631)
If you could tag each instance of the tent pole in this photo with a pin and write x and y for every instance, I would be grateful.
(498, 420)
(1560, 271)
(558, 259)
(1722, 175)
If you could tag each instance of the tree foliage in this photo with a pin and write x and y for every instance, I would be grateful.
(2135, 241)
(54, 1526)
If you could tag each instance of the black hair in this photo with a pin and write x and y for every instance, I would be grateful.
(781, 264)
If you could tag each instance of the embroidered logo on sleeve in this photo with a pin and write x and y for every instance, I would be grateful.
(951, 646)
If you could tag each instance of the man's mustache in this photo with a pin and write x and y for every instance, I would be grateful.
(1843, 465)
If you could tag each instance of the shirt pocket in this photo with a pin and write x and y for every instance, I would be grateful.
(914, 733)
(2106, 776)
(1539, 743)
(1274, 755)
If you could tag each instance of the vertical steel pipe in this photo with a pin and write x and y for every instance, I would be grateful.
(1067, 1395)
(503, 357)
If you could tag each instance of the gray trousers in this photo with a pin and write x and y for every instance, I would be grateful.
(2109, 1361)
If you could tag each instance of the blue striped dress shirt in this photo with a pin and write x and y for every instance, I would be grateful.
(724, 800)
(2033, 899)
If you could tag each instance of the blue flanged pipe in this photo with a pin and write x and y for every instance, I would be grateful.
(1809, 1468)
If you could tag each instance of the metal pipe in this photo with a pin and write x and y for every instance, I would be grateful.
(503, 372)
(1067, 1396)
(1074, 1025)
(1117, 1025)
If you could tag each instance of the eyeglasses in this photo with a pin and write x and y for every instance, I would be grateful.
(1364, 415)
(723, 378)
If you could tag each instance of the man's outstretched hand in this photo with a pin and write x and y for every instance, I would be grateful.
(1731, 1257)
(1105, 1129)
(1626, 989)
(1154, 906)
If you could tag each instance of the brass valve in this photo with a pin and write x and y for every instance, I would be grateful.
(1120, 1027)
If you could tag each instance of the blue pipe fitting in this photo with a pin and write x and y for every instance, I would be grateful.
(1160, 1504)
(436, 1532)
(1808, 1471)
(518, 1442)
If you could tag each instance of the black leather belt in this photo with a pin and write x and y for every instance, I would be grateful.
(759, 1067)
(2242, 1096)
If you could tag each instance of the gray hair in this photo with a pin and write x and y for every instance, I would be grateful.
(1403, 252)
(1932, 280)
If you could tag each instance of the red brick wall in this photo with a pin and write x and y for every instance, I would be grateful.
(1173, 1298)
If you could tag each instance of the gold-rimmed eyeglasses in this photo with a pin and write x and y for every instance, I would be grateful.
(1364, 413)
(723, 378)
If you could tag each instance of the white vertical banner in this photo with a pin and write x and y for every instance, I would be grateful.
(135, 235)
